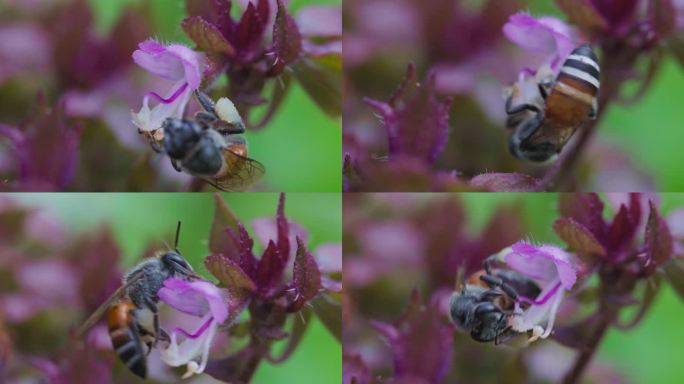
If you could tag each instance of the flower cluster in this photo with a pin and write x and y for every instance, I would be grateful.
(53, 281)
(86, 83)
(608, 262)
(63, 86)
(308, 48)
(285, 283)
(466, 53)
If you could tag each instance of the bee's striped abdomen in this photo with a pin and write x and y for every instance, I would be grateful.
(125, 336)
(579, 75)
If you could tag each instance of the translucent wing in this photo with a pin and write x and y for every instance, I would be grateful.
(242, 173)
(95, 316)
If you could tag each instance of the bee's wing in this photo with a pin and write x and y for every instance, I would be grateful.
(244, 172)
(95, 316)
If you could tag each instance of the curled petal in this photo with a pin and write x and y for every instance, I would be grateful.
(172, 106)
(547, 35)
(196, 298)
(171, 62)
(190, 349)
(542, 263)
(544, 313)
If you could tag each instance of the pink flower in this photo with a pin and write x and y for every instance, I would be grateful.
(321, 28)
(554, 270)
(547, 35)
(209, 304)
(549, 41)
(181, 66)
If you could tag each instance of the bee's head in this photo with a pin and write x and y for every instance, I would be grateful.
(180, 136)
(176, 264)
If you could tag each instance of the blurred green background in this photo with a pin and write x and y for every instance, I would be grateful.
(650, 132)
(649, 353)
(300, 147)
(138, 219)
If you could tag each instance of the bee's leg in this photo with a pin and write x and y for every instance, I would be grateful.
(163, 336)
(495, 282)
(205, 117)
(542, 91)
(519, 108)
(156, 147)
(175, 165)
(530, 127)
(206, 102)
(149, 302)
(594, 110)
(503, 336)
(487, 264)
(235, 129)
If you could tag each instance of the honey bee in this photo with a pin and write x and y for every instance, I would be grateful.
(543, 124)
(211, 146)
(131, 312)
(485, 304)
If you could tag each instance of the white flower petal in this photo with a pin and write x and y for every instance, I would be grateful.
(151, 120)
(187, 351)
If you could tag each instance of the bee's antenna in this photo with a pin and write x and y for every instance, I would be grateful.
(175, 245)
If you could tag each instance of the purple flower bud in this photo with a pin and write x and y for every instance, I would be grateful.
(417, 122)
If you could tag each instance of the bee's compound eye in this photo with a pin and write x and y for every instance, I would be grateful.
(177, 263)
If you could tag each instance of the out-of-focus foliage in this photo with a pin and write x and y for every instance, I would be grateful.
(90, 85)
(463, 45)
(58, 268)
(401, 258)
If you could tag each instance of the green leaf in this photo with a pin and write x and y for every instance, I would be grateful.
(321, 78)
(328, 308)
(287, 41)
(207, 37)
(306, 276)
(578, 238)
(231, 276)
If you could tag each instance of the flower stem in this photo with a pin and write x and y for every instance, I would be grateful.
(584, 358)
(259, 350)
